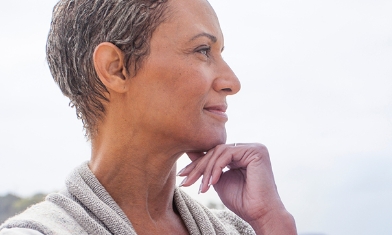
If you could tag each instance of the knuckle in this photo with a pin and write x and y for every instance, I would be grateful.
(259, 152)
(260, 148)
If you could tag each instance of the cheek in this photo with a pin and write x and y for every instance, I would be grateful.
(181, 80)
(181, 89)
(192, 84)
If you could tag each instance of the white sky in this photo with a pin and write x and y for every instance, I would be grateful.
(316, 89)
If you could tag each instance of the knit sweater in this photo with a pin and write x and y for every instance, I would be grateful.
(85, 207)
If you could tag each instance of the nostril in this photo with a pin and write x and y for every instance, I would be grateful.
(227, 89)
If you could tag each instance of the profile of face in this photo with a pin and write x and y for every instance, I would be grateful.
(180, 91)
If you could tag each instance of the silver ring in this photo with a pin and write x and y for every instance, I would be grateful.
(235, 144)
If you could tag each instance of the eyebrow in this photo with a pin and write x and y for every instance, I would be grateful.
(211, 37)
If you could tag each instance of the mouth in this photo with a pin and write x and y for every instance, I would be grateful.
(217, 111)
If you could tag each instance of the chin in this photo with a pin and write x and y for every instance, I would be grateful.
(213, 140)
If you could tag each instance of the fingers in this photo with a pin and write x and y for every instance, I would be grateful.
(248, 188)
(211, 164)
(197, 168)
(195, 155)
(209, 168)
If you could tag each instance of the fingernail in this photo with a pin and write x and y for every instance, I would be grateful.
(200, 189)
(210, 181)
(179, 173)
(183, 182)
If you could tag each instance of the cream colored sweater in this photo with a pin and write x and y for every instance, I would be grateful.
(85, 207)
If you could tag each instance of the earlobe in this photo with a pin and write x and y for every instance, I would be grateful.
(109, 65)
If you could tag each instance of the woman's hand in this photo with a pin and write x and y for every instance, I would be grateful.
(247, 188)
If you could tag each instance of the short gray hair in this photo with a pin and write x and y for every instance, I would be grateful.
(78, 27)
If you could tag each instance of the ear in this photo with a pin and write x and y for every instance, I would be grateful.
(109, 65)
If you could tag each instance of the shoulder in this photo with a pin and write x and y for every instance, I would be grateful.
(44, 218)
(232, 222)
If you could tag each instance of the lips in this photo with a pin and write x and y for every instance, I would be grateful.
(218, 111)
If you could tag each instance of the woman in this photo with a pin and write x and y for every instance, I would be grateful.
(149, 83)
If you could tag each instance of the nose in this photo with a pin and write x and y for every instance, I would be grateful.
(226, 81)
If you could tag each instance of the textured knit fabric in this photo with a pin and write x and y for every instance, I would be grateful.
(19, 231)
(85, 207)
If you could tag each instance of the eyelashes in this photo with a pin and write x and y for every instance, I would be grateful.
(207, 52)
(204, 50)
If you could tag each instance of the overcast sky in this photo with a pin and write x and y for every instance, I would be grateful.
(316, 89)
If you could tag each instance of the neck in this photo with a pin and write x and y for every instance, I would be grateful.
(140, 179)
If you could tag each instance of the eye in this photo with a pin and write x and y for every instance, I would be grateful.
(204, 50)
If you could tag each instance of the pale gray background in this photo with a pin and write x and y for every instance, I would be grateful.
(316, 89)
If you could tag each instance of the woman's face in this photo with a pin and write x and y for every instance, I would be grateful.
(180, 91)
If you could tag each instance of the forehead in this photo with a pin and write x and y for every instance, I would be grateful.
(189, 17)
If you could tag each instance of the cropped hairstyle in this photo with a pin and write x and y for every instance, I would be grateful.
(78, 27)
